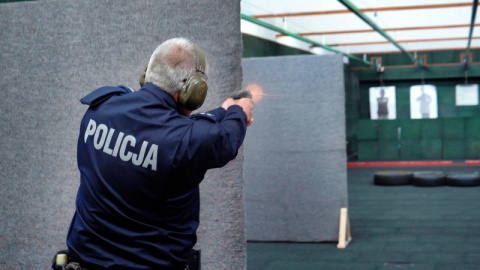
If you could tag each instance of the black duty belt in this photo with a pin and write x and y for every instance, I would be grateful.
(63, 261)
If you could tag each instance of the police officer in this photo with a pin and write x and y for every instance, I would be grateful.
(142, 156)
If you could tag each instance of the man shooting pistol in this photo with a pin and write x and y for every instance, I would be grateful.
(142, 155)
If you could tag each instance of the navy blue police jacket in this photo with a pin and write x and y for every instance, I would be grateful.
(141, 163)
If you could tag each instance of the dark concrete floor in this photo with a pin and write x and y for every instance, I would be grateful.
(393, 227)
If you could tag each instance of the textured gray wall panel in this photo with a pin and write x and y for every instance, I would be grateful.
(295, 152)
(54, 52)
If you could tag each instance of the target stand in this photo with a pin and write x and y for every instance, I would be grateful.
(344, 233)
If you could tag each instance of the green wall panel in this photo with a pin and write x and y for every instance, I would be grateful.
(387, 130)
(472, 128)
(410, 129)
(258, 47)
(367, 129)
(410, 150)
(445, 94)
(467, 111)
(453, 128)
(352, 150)
(397, 58)
(434, 57)
(403, 101)
(351, 109)
(364, 110)
(446, 101)
(472, 149)
(431, 149)
(453, 149)
(447, 111)
(353, 130)
(367, 150)
(388, 150)
(443, 58)
(431, 129)
(353, 98)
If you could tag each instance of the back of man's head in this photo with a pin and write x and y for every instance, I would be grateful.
(171, 64)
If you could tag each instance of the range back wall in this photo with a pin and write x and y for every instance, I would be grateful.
(54, 52)
(294, 168)
(453, 135)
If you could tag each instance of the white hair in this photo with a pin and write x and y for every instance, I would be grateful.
(171, 64)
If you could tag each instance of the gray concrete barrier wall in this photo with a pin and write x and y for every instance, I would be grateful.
(54, 52)
(295, 152)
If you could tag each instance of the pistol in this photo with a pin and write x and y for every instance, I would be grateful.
(242, 93)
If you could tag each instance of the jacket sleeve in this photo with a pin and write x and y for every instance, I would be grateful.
(213, 139)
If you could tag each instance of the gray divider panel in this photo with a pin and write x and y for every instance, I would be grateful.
(54, 52)
(295, 152)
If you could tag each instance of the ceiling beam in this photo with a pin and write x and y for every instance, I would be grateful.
(362, 16)
(472, 22)
(296, 36)
(443, 49)
(376, 9)
(385, 29)
(399, 41)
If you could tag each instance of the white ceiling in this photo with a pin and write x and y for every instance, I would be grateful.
(415, 25)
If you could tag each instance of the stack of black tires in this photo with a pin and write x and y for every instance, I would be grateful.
(426, 178)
